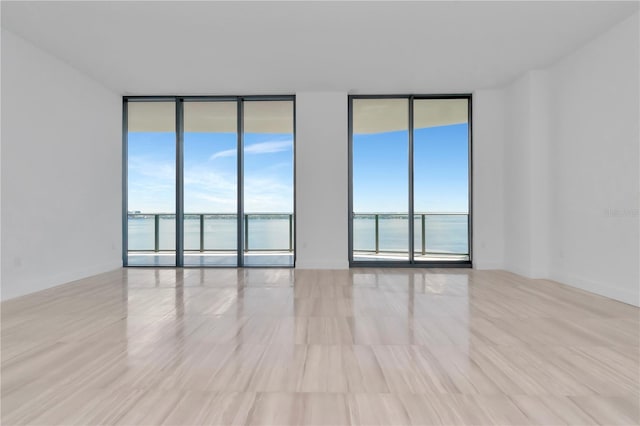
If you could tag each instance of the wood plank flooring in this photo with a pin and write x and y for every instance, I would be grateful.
(285, 347)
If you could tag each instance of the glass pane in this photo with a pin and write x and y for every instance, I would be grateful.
(380, 179)
(268, 183)
(210, 183)
(151, 163)
(441, 179)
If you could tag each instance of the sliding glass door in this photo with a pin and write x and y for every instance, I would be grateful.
(380, 170)
(410, 158)
(268, 183)
(441, 179)
(208, 181)
(151, 183)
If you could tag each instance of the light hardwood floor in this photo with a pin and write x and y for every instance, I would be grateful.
(278, 346)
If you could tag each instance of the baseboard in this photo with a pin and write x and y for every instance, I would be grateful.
(607, 290)
(488, 265)
(322, 265)
(47, 281)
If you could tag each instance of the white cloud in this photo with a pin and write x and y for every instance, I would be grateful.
(267, 194)
(207, 190)
(268, 147)
(158, 170)
(257, 148)
(225, 153)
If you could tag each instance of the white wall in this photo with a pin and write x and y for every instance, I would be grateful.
(321, 180)
(61, 163)
(571, 169)
(517, 177)
(488, 194)
(594, 165)
(525, 172)
(539, 169)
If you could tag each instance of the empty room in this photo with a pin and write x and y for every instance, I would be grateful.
(320, 212)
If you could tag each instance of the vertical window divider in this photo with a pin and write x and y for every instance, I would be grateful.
(293, 238)
(125, 182)
(350, 176)
(470, 176)
(179, 182)
(240, 183)
(411, 209)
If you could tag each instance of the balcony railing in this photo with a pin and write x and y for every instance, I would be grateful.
(203, 218)
(373, 233)
(451, 240)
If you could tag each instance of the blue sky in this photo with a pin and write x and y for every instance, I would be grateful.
(380, 171)
(210, 172)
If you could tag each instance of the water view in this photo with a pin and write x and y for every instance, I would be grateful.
(443, 233)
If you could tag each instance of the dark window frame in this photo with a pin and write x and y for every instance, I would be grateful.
(179, 130)
(411, 262)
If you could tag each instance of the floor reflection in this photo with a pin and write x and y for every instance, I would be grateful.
(486, 341)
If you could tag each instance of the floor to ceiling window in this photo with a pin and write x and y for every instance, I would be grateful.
(409, 168)
(380, 175)
(268, 182)
(208, 181)
(151, 192)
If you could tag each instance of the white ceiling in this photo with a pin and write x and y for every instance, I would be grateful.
(286, 47)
